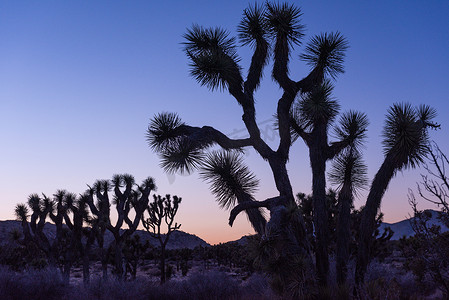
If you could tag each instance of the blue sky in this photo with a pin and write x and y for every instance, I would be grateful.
(80, 80)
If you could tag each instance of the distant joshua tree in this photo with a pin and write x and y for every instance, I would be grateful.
(82, 237)
(125, 198)
(33, 229)
(162, 210)
(70, 214)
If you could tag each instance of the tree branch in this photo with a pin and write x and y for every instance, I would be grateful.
(207, 134)
(258, 62)
(268, 203)
(300, 131)
(315, 77)
(336, 147)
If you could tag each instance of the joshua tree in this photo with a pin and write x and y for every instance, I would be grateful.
(312, 116)
(33, 230)
(405, 146)
(214, 63)
(101, 211)
(349, 173)
(162, 209)
(133, 251)
(78, 247)
(124, 200)
(272, 31)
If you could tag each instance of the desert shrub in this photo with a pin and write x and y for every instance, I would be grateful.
(257, 287)
(45, 284)
(114, 289)
(211, 285)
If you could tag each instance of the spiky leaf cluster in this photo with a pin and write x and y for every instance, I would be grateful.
(317, 107)
(348, 167)
(284, 22)
(149, 183)
(34, 202)
(228, 177)
(405, 134)
(352, 126)
(253, 26)
(21, 211)
(326, 51)
(163, 131)
(102, 186)
(183, 157)
(213, 57)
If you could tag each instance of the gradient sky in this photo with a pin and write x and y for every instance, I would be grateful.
(79, 81)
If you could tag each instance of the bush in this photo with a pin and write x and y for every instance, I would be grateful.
(45, 284)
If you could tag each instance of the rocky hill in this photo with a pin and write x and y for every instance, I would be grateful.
(404, 227)
(178, 239)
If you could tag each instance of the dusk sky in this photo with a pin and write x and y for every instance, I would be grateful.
(80, 80)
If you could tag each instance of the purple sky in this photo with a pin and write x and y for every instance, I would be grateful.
(79, 81)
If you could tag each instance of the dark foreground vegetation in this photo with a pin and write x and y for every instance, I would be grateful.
(306, 247)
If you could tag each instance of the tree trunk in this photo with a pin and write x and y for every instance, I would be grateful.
(163, 278)
(367, 224)
(86, 271)
(343, 233)
(66, 270)
(320, 213)
(118, 259)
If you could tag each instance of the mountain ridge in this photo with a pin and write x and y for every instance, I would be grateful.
(178, 239)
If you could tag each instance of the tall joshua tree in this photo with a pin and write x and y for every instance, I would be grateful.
(162, 209)
(405, 143)
(311, 119)
(272, 31)
(349, 173)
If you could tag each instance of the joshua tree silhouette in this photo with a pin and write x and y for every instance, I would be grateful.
(273, 30)
(162, 209)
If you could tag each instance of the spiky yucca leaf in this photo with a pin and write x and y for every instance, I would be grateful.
(117, 180)
(101, 186)
(405, 134)
(352, 126)
(59, 196)
(253, 26)
(215, 70)
(162, 131)
(34, 202)
(228, 177)
(326, 51)
(318, 106)
(21, 212)
(149, 183)
(184, 156)
(214, 61)
(426, 114)
(348, 167)
(47, 203)
(128, 179)
(284, 20)
(69, 200)
(201, 40)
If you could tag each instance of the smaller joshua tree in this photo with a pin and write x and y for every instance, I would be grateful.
(125, 198)
(349, 173)
(33, 229)
(160, 210)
